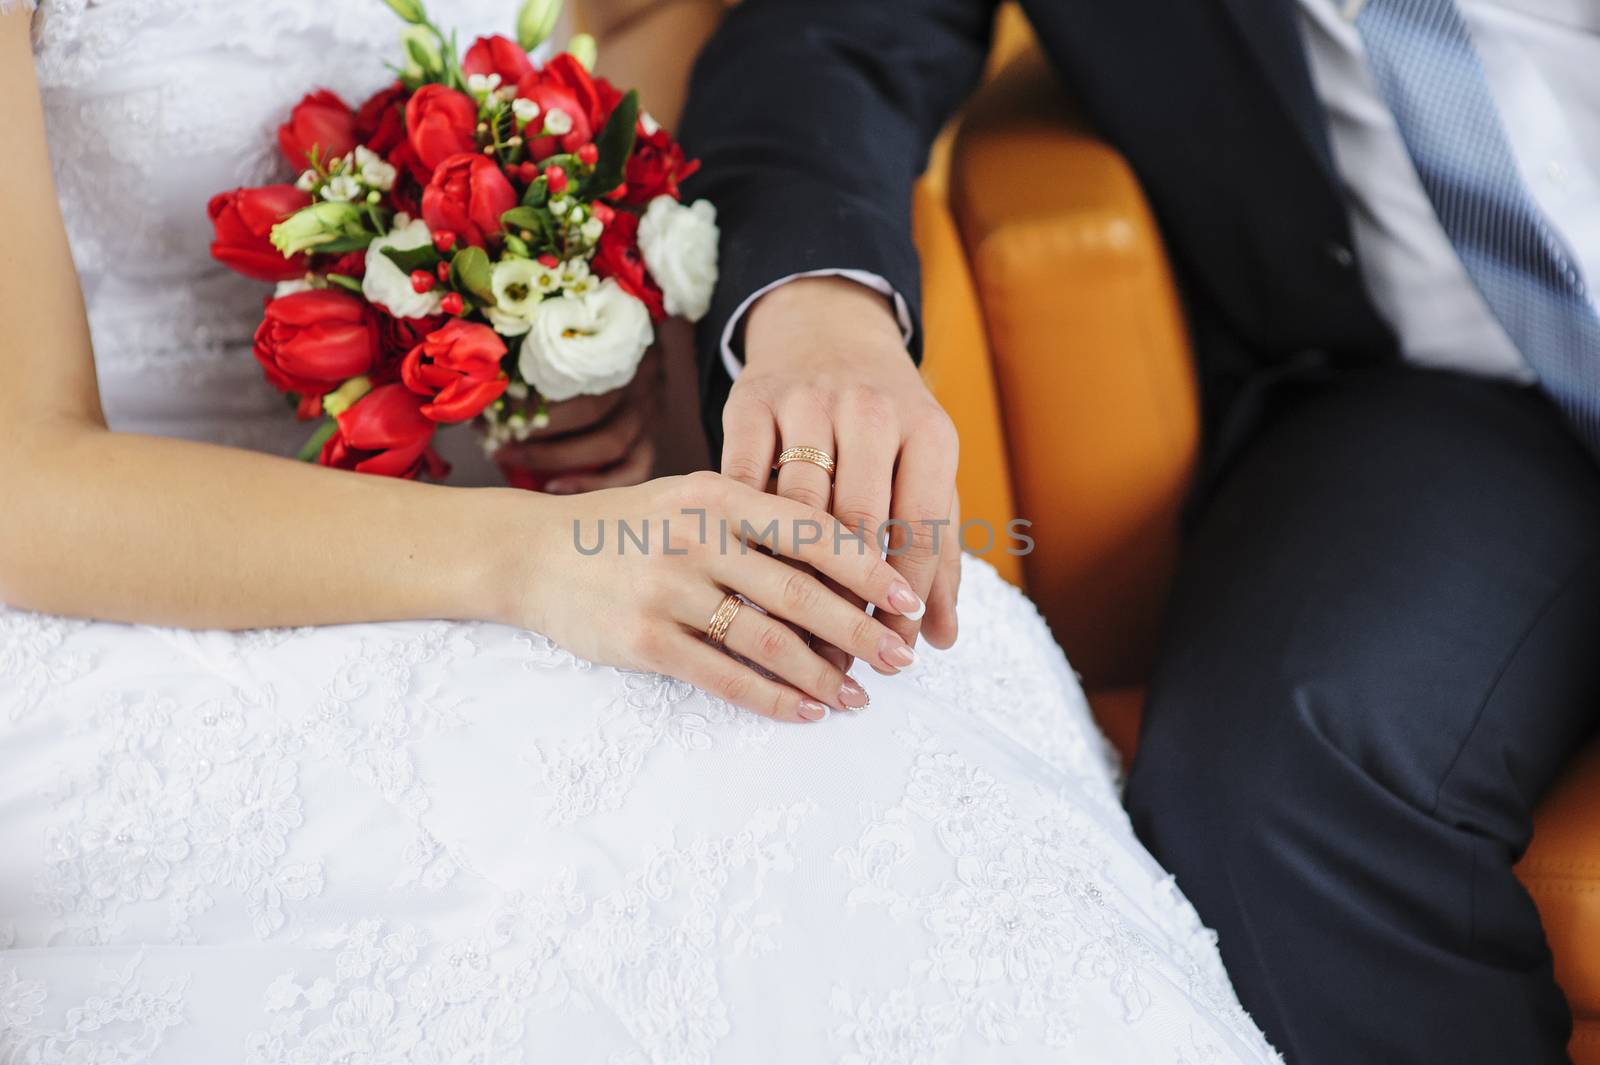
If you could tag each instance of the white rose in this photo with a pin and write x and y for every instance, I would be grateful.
(389, 286)
(586, 345)
(679, 245)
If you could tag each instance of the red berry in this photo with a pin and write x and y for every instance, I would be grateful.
(444, 272)
(557, 178)
(444, 240)
(422, 282)
(548, 261)
(604, 213)
(528, 172)
(588, 155)
(453, 304)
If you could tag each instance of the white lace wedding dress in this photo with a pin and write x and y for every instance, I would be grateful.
(443, 843)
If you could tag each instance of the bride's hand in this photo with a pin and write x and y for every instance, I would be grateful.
(631, 577)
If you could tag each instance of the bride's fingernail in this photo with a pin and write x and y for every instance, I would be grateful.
(853, 695)
(894, 651)
(812, 711)
(905, 601)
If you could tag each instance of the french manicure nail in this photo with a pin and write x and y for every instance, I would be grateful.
(894, 651)
(853, 695)
(812, 711)
(905, 601)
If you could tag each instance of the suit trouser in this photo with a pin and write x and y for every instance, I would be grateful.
(1384, 645)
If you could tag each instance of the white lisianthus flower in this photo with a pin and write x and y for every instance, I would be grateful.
(586, 345)
(520, 285)
(389, 286)
(375, 172)
(679, 245)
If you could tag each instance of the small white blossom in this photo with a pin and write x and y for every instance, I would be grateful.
(557, 123)
(593, 229)
(375, 172)
(525, 110)
(341, 189)
(307, 181)
(648, 121)
(481, 85)
(516, 287)
(574, 272)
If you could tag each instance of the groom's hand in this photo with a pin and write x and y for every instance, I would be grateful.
(825, 366)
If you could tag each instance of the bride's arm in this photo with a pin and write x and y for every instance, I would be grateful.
(121, 527)
(124, 527)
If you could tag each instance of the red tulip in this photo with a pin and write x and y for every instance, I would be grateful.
(385, 433)
(467, 196)
(497, 55)
(458, 368)
(380, 124)
(322, 122)
(442, 123)
(243, 220)
(312, 342)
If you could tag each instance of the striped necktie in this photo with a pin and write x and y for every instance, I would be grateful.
(1429, 73)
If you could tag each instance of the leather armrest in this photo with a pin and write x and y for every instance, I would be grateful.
(1091, 360)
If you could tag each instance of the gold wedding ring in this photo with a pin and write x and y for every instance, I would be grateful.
(722, 620)
(815, 456)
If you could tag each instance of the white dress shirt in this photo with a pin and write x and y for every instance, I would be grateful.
(1542, 62)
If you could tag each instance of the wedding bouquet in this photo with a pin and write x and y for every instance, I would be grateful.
(483, 237)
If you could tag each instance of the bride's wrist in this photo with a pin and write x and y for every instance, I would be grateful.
(520, 533)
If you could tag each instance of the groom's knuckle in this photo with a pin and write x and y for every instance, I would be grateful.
(748, 470)
(869, 407)
(936, 430)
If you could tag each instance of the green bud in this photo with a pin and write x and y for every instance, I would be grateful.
(536, 22)
(410, 10)
(584, 49)
(321, 223)
(424, 55)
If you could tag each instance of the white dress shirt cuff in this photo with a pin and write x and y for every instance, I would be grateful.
(902, 310)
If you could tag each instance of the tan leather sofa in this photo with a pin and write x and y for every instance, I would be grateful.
(1056, 341)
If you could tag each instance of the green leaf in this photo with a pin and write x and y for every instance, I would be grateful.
(347, 282)
(616, 145)
(319, 439)
(410, 260)
(472, 271)
(522, 218)
(538, 193)
(344, 244)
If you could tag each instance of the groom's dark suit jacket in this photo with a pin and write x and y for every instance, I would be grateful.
(813, 118)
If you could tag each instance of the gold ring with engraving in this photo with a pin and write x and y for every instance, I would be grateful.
(722, 620)
(815, 456)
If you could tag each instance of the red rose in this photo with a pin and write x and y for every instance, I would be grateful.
(497, 55)
(459, 368)
(321, 121)
(312, 342)
(381, 123)
(386, 433)
(617, 256)
(442, 123)
(655, 168)
(243, 220)
(467, 196)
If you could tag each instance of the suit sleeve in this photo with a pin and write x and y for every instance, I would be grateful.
(812, 120)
